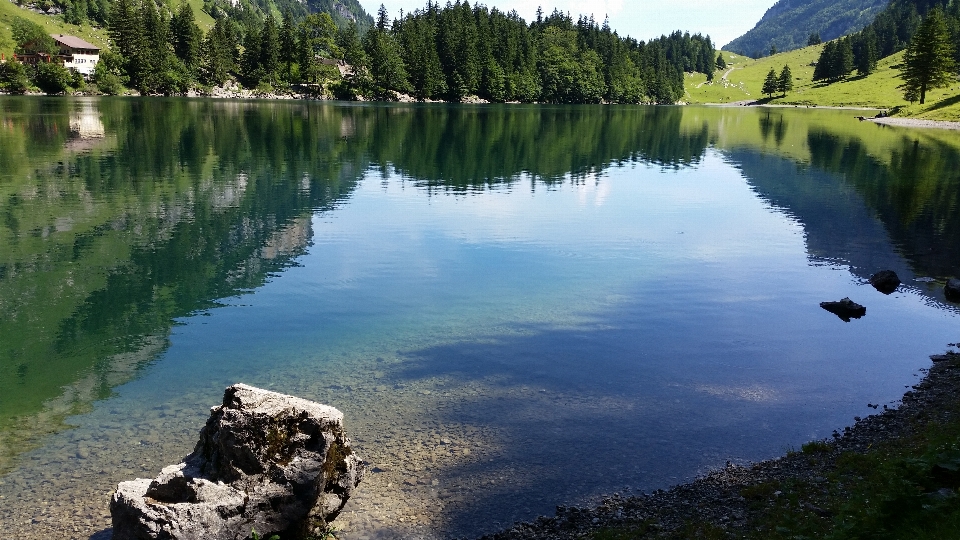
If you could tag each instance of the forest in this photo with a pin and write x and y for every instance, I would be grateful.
(890, 32)
(448, 53)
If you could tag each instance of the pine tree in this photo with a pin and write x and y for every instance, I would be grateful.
(270, 50)
(721, 63)
(387, 72)
(785, 81)
(288, 43)
(187, 38)
(770, 84)
(928, 62)
(824, 68)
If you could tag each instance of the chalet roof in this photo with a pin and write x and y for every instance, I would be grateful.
(73, 42)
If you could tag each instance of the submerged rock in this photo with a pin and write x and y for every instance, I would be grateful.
(846, 309)
(952, 290)
(885, 281)
(265, 461)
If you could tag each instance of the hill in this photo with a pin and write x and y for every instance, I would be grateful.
(744, 80)
(342, 12)
(788, 24)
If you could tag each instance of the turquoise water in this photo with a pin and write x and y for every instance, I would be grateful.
(515, 307)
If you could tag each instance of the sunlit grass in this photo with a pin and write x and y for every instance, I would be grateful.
(878, 90)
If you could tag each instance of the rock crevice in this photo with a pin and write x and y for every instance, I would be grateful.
(265, 461)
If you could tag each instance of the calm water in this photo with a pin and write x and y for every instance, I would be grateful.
(516, 307)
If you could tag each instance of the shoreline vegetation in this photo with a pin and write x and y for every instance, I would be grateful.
(892, 475)
(463, 53)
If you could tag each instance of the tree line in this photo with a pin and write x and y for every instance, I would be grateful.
(434, 53)
(929, 31)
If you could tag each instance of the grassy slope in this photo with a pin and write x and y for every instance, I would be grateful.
(55, 25)
(879, 90)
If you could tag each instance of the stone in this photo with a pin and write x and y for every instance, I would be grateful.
(265, 461)
(952, 290)
(949, 356)
(846, 309)
(885, 281)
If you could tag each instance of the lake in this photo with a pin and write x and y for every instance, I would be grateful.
(516, 307)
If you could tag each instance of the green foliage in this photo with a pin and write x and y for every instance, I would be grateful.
(770, 84)
(928, 62)
(569, 74)
(785, 80)
(836, 60)
(721, 63)
(13, 77)
(256, 536)
(30, 37)
(387, 71)
(52, 78)
(792, 24)
(187, 37)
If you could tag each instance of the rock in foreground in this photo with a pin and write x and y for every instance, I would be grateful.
(846, 309)
(265, 461)
(885, 281)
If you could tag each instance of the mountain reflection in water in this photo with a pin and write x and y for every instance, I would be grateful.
(123, 219)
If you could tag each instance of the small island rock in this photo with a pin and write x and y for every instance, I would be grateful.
(265, 461)
(952, 290)
(885, 281)
(846, 309)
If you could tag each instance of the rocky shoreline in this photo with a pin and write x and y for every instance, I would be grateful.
(717, 500)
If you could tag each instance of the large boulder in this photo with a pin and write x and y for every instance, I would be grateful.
(952, 290)
(885, 281)
(265, 461)
(846, 309)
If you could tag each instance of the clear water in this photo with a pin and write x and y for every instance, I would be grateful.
(515, 307)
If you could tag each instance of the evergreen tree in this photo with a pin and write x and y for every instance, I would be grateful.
(721, 63)
(187, 38)
(417, 38)
(124, 30)
(251, 71)
(928, 62)
(270, 50)
(785, 81)
(824, 68)
(387, 72)
(288, 44)
(865, 51)
(814, 39)
(218, 54)
(770, 84)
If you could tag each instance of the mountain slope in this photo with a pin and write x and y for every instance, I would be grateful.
(788, 24)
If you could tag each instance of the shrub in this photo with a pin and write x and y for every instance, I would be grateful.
(53, 78)
(13, 77)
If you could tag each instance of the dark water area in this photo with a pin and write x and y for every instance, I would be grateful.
(516, 307)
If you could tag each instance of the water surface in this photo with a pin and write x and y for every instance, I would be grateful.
(516, 307)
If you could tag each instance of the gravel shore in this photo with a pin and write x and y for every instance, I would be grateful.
(916, 123)
(716, 498)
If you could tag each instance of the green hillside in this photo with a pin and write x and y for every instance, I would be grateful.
(879, 90)
(53, 24)
(788, 24)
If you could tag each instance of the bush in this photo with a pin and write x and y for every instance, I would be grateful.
(53, 78)
(13, 77)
